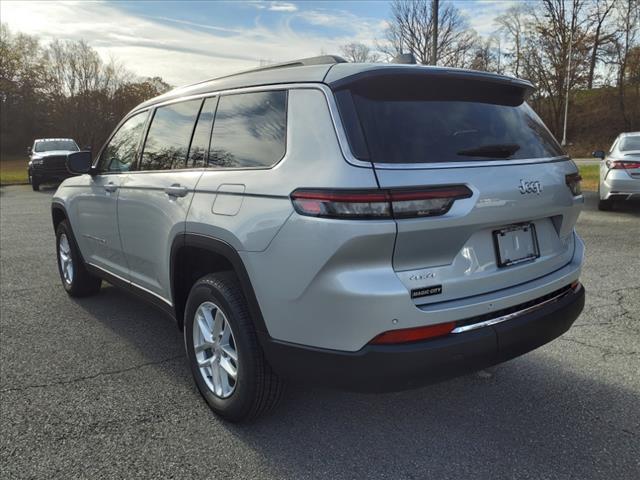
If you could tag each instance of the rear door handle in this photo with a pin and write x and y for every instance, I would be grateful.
(111, 187)
(176, 191)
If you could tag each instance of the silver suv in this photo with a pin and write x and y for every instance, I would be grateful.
(361, 226)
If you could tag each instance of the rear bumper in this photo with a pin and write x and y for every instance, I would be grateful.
(619, 185)
(379, 368)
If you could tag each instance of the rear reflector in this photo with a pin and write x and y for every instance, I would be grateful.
(617, 165)
(378, 204)
(407, 335)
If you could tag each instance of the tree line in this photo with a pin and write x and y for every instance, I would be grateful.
(63, 89)
(535, 41)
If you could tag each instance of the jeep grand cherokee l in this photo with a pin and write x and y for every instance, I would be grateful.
(361, 226)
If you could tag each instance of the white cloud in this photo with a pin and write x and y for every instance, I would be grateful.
(482, 14)
(274, 6)
(282, 7)
(180, 51)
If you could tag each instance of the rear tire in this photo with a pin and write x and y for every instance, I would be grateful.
(76, 280)
(605, 205)
(256, 388)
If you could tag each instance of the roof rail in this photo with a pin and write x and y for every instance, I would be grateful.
(319, 60)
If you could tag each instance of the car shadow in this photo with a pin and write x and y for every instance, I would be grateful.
(522, 416)
(532, 417)
(132, 319)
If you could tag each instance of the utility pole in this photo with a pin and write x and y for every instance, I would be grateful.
(566, 99)
(434, 40)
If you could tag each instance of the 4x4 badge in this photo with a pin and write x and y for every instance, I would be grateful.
(530, 187)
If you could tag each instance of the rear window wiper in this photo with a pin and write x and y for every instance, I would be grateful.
(504, 150)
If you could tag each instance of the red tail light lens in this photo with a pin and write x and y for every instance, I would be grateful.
(617, 165)
(378, 204)
(573, 182)
(407, 335)
(346, 204)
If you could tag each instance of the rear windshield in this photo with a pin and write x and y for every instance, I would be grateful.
(50, 145)
(630, 143)
(417, 127)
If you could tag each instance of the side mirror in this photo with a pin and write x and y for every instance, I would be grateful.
(598, 154)
(79, 162)
(87, 148)
(29, 151)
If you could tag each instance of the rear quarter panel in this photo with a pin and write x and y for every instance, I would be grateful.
(313, 159)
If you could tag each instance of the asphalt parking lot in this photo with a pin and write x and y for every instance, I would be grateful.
(99, 388)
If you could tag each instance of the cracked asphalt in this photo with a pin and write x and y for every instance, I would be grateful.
(99, 388)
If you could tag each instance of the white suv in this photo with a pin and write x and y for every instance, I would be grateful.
(362, 226)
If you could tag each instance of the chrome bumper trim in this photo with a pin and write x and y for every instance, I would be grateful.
(510, 316)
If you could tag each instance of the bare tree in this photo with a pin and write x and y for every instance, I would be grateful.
(556, 54)
(359, 53)
(512, 28)
(600, 11)
(486, 55)
(411, 28)
(628, 25)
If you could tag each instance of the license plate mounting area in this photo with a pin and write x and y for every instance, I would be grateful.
(516, 244)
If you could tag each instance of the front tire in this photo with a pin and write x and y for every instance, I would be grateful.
(35, 183)
(224, 354)
(76, 280)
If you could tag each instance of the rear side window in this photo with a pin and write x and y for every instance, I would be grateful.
(169, 136)
(630, 143)
(249, 130)
(428, 124)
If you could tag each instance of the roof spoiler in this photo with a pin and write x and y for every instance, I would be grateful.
(443, 83)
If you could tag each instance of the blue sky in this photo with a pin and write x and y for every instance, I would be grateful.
(189, 41)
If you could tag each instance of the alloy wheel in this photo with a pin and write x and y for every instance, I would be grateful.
(215, 349)
(65, 259)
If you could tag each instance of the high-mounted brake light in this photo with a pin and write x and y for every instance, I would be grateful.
(618, 165)
(573, 182)
(378, 204)
(406, 335)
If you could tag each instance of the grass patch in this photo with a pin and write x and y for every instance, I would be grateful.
(13, 169)
(590, 176)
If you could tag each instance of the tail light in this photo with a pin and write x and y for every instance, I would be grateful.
(406, 335)
(617, 165)
(378, 204)
(573, 182)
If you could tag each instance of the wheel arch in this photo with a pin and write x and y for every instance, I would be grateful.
(58, 214)
(195, 255)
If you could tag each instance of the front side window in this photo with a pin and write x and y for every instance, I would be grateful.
(169, 136)
(249, 130)
(120, 152)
